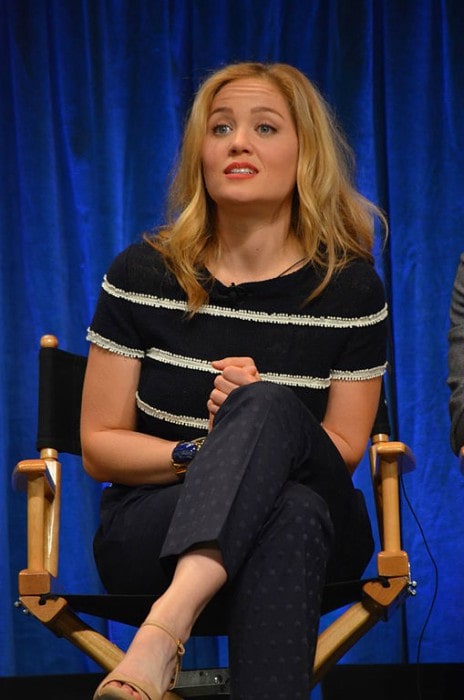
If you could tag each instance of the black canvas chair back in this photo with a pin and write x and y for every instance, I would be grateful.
(61, 379)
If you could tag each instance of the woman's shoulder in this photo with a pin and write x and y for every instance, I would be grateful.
(138, 254)
(359, 284)
(138, 267)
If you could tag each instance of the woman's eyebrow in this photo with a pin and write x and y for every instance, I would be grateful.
(254, 110)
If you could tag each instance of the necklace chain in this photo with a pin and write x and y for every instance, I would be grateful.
(292, 266)
(287, 269)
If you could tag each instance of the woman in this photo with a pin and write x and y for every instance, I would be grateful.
(233, 378)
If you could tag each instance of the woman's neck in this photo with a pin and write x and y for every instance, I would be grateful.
(253, 254)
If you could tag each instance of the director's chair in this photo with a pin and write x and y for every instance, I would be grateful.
(362, 603)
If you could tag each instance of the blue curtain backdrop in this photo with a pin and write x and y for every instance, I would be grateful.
(93, 95)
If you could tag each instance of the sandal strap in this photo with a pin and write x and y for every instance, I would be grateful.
(180, 649)
(145, 690)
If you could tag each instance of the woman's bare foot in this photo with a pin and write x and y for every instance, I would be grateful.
(155, 652)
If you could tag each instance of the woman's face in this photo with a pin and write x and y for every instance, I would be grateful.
(250, 151)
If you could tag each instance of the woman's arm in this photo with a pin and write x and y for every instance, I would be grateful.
(350, 415)
(112, 450)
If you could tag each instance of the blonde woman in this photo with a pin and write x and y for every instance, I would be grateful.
(235, 365)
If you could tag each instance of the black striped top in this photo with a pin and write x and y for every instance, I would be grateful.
(141, 313)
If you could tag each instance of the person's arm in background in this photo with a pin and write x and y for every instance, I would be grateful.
(456, 360)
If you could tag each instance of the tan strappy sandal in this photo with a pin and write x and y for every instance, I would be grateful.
(180, 650)
(146, 691)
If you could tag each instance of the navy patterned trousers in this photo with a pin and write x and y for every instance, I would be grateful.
(272, 491)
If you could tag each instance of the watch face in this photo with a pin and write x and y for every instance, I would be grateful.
(184, 452)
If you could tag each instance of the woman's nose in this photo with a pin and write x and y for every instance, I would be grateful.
(240, 142)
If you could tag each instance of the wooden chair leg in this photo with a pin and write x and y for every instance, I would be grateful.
(55, 613)
(343, 633)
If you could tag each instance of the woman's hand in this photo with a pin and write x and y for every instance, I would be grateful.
(234, 372)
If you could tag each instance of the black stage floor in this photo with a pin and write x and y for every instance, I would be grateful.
(370, 682)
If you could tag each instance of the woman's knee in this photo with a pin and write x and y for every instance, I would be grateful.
(264, 395)
(303, 507)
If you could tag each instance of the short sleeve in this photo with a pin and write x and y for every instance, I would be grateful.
(364, 352)
(113, 326)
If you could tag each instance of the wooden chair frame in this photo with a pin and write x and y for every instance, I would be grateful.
(39, 592)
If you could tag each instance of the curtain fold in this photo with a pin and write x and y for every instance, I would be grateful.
(93, 96)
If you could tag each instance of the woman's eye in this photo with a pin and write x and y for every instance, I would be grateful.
(266, 129)
(221, 129)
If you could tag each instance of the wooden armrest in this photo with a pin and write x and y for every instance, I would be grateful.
(33, 468)
(395, 452)
(389, 459)
(41, 478)
(461, 459)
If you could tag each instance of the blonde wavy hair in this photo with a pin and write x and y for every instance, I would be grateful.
(331, 219)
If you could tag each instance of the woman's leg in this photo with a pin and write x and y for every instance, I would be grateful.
(151, 658)
(276, 599)
(263, 437)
